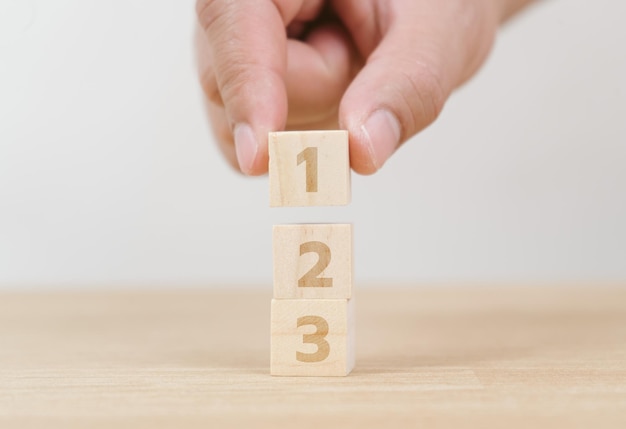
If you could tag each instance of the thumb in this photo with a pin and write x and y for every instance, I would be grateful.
(424, 54)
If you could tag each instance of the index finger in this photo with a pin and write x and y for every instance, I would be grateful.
(247, 47)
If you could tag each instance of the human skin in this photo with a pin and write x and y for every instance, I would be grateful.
(381, 69)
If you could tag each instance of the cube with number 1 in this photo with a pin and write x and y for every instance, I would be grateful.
(309, 168)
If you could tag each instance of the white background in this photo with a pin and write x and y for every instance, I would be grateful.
(109, 177)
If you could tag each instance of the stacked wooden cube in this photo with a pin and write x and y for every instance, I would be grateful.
(312, 320)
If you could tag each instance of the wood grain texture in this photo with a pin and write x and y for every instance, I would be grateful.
(292, 175)
(439, 357)
(330, 251)
(312, 337)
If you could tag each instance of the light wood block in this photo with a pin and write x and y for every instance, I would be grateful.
(309, 168)
(313, 261)
(312, 337)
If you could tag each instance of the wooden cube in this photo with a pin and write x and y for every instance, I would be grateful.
(309, 168)
(312, 337)
(313, 261)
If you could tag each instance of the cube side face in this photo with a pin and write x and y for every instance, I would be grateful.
(313, 261)
(311, 338)
(351, 340)
(309, 168)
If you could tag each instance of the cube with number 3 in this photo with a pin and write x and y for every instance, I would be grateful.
(309, 168)
(312, 337)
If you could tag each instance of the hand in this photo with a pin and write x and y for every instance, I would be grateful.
(382, 69)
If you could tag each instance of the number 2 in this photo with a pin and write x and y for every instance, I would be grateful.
(309, 157)
(317, 338)
(310, 278)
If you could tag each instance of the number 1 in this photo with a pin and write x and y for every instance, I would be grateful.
(309, 156)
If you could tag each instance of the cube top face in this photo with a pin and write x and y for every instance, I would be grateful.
(313, 261)
(309, 168)
(312, 337)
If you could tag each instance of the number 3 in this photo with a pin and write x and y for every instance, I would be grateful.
(317, 338)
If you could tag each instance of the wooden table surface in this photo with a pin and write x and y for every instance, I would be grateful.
(434, 357)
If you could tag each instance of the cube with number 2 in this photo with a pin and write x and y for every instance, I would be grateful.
(312, 261)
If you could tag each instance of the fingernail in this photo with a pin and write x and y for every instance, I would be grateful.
(246, 147)
(382, 130)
